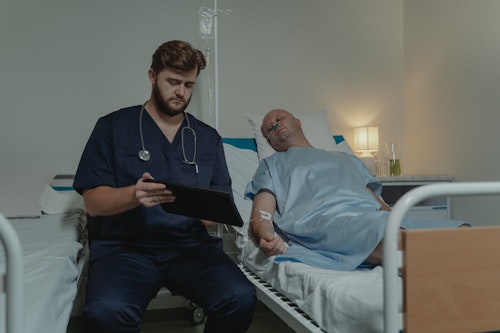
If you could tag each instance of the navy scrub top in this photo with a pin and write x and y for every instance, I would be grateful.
(111, 158)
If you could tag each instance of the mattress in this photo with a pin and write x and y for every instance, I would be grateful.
(51, 249)
(337, 301)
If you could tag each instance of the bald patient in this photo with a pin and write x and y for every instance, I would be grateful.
(319, 207)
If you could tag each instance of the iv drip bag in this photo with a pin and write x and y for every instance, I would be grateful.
(206, 22)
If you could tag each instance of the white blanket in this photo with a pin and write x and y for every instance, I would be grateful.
(50, 250)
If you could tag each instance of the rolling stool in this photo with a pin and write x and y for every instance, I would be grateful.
(195, 315)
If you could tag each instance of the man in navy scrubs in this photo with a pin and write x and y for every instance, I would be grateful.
(136, 246)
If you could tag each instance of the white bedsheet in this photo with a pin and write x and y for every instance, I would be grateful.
(50, 250)
(338, 301)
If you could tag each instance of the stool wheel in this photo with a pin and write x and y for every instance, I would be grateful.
(196, 314)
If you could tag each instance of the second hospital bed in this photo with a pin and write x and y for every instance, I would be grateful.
(310, 299)
(44, 272)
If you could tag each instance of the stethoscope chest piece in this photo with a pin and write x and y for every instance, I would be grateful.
(144, 155)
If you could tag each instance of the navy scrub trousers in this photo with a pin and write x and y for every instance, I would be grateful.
(121, 285)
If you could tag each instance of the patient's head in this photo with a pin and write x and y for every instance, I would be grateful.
(282, 130)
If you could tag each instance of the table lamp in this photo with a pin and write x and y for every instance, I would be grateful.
(366, 143)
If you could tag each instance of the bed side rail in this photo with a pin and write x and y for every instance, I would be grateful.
(14, 277)
(281, 306)
(390, 252)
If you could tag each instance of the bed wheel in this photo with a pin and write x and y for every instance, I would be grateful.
(196, 314)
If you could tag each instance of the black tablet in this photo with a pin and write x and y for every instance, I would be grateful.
(202, 203)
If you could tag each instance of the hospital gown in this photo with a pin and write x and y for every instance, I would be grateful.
(324, 211)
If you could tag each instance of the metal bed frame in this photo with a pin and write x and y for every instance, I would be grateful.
(392, 256)
(285, 309)
(282, 307)
(14, 275)
(14, 265)
(279, 304)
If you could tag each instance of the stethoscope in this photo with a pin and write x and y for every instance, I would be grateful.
(145, 155)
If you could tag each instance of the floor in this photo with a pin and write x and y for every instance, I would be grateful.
(176, 321)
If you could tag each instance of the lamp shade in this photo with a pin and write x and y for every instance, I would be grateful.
(366, 139)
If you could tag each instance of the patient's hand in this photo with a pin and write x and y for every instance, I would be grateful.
(272, 244)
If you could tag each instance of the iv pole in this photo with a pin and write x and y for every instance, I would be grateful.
(216, 68)
(209, 29)
(216, 88)
(214, 14)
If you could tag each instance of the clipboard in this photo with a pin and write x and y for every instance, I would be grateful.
(201, 203)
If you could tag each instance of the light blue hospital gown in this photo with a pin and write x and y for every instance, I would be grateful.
(324, 211)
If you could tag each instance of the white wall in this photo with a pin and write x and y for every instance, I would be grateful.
(341, 56)
(425, 72)
(64, 63)
(452, 85)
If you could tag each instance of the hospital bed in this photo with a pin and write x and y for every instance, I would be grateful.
(310, 299)
(43, 228)
(44, 251)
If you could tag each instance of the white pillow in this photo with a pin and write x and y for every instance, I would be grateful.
(20, 192)
(57, 202)
(344, 147)
(242, 164)
(314, 125)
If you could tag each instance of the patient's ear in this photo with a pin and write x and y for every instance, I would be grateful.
(299, 125)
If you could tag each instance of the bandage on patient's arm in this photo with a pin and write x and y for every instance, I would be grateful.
(261, 220)
(264, 216)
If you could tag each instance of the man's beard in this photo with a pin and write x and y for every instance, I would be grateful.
(163, 105)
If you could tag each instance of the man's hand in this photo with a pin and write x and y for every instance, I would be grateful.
(208, 223)
(150, 194)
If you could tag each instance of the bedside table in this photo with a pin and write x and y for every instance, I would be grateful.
(394, 187)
